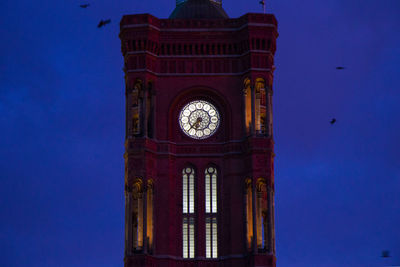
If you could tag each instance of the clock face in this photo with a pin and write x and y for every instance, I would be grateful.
(199, 119)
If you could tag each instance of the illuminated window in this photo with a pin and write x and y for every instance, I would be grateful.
(137, 215)
(211, 212)
(150, 215)
(260, 108)
(247, 105)
(188, 227)
(261, 215)
(249, 213)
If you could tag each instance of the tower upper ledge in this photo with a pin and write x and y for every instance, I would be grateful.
(254, 19)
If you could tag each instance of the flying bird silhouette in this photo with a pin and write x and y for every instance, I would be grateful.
(103, 23)
(340, 68)
(333, 121)
(385, 254)
(84, 5)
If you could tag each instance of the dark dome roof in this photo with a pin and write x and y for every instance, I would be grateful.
(198, 9)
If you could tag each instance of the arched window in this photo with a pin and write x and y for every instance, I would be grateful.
(188, 212)
(249, 212)
(260, 106)
(247, 105)
(136, 105)
(137, 215)
(211, 212)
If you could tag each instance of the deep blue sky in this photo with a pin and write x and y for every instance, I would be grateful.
(62, 131)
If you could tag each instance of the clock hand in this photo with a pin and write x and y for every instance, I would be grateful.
(196, 124)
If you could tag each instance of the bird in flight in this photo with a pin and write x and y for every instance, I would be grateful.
(340, 68)
(103, 23)
(84, 5)
(333, 121)
(385, 254)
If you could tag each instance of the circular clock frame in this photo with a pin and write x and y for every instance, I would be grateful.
(199, 119)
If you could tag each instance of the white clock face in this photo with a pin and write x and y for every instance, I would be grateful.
(199, 119)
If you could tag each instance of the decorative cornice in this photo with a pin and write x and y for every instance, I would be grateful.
(200, 74)
(143, 25)
(166, 148)
(198, 56)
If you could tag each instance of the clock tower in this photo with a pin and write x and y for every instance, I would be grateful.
(199, 149)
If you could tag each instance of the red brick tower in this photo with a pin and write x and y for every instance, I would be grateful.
(199, 177)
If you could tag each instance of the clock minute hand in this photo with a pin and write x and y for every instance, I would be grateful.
(195, 124)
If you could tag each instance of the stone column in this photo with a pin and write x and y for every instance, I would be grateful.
(257, 111)
(270, 218)
(244, 112)
(144, 196)
(144, 111)
(128, 222)
(253, 115)
(268, 117)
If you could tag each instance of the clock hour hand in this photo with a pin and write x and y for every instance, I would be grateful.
(197, 123)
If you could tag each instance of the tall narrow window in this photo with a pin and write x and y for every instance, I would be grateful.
(249, 213)
(137, 216)
(211, 212)
(247, 105)
(188, 227)
(149, 214)
(260, 107)
(261, 215)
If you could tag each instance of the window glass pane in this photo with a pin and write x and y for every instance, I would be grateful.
(191, 193)
(214, 193)
(208, 238)
(184, 194)
(214, 238)
(207, 193)
(185, 238)
(188, 242)
(191, 238)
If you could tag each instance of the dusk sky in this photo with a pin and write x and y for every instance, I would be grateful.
(337, 198)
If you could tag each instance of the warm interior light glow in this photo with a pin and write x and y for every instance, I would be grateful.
(260, 108)
(261, 213)
(249, 213)
(150, 215)
(137, 215)
(247, 105)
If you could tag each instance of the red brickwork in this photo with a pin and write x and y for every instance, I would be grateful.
(167, 63)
